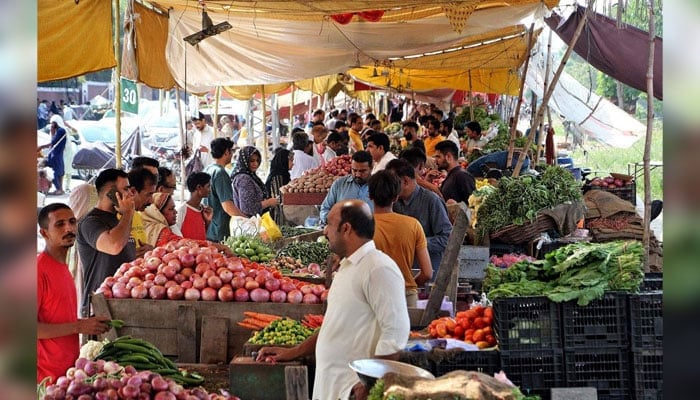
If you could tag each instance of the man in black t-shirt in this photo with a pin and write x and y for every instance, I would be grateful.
(458, 183)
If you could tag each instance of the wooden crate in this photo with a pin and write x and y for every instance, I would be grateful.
(253, 380)
(303, 199)
(175, 326)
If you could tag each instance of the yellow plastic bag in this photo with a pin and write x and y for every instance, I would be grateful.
(267, 223)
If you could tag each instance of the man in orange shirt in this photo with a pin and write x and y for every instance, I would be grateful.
(432, 126)
(399, 236)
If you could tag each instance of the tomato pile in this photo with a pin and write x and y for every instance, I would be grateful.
(473, 326)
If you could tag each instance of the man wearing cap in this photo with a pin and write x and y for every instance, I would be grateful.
(202, 135)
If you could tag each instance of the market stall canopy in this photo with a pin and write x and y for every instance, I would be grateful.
(273, 41)
(621, 52)
(75, 38)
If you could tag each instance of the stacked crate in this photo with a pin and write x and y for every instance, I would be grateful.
(646, 332)
(596, 346)
(529, 336)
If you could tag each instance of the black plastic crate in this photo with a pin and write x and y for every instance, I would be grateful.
(652, 281)
(606, 369)
(601, 323)
(497, 248)
(527, 323)
(535, 372)
(648, 371)
(646, 320)
(488, 362)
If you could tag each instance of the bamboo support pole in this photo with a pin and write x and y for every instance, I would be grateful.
(548, 67)
(215, 119)
(516, 117)
(117, 87)
(646, 237)
(550, 90)
(471, 99)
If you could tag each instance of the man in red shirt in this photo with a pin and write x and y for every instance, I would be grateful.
(193, 217)
(57, 302)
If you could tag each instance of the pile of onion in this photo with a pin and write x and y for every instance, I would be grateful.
(105, 380)
(184, 270)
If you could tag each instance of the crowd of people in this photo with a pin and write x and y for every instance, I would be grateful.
(384, 220)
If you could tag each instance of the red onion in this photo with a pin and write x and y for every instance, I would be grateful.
(162, 395)
(237, 282)
(218, 261)
(149, 276)
(199, 283)
(129, 391)
(188, 260)
(201, 267)
(225, 274)
(310, 299)
(110, 281)
(160, 279)
(133, 282)
(260, 295)
(287, 286)
(295, 296)
(186, 284)
(152, 263)
(80, 363)
(324, 296)
(261, 279)
(203, 258)
(170, 283)
(192, 294)
(317, 289)
(225, 293)
(159, 384)
(120, 291)
(307, 289)
(187, 272)
(179, 278)
(134, 380)
(272, 284)
(278, 296)
(209, 294)
(250, 285)
(170, 256)
(241, 295)
(169, 271)
(208, 274)
(139, 292)
(175, 263)
(159, 251)
(106, 292)
(175, 292)
(157, 292)
(214, 282)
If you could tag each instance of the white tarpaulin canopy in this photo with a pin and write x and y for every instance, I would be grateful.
(260, 50)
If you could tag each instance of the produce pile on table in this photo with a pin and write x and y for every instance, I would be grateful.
(307, 252)
(185, 270)
(507, 260)
(580, 271)
(474, 326)
(320, 179)
(250, 247)
(611, 182)
(108, 380)
(291, 231)
(476, 199)
(517, 200)
(284, 331)
(144, 356)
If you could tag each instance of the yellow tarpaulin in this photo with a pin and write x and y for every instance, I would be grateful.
(151, 38)
(246, 92)
(75, 38)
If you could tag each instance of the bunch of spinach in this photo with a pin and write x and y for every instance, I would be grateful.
(580, 271)
(518, 200)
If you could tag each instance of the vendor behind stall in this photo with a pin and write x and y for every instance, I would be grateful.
(367, 314)
(353, 186)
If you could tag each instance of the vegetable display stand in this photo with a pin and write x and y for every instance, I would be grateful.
(606, 369)
(530, 230)
(253, 380)
(527, 323)
(303, 199)
(648, 367)
(192, 331)
(646, 320)
(602, 323)
(534, 371)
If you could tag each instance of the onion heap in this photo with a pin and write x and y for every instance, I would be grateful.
(320, 179)
(185, 270)
(107, 380)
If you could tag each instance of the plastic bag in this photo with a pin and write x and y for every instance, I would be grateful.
(269, 225)
(195, 164)
(245, 226)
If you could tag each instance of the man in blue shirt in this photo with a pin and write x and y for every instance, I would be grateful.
(425, 206)
(353, 186)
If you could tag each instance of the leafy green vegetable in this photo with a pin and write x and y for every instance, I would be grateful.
(290, 231)
(580, 271)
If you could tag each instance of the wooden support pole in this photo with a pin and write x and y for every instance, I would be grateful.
(471, 99)
(646, 237)
(550, 90)
(291, 113)
(183, 142)
(264, 126)
(215, 119)
(448, 263)
(516, 117)
(117, 87)
(548, 67)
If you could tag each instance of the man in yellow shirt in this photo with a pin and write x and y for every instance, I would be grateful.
(142, 184)
(356, 125)
(432, 125)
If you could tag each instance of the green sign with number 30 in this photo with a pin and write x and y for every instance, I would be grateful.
(130, 96)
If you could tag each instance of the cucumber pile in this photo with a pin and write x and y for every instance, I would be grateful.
(144, 356)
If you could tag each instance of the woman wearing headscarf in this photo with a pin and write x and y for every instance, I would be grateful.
(279, 176)
(159, 223)
(249, 192)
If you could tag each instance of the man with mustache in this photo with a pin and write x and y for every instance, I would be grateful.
(57, 302)
(353, 186)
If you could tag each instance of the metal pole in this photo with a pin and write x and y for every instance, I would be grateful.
(550, 90)
(471, 98)
(183, 142)
(215, 119)
(274, 108)
(291, 112)
(264, 126)
(117, 86)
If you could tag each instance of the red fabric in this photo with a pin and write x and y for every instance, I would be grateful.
(166, 235)
(57, 303)
(549, 146)
(371, 16)
(193, 226)
(342, 19)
